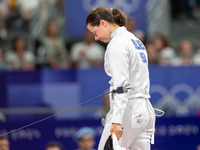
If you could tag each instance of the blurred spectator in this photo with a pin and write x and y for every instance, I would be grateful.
(4, 143)
(3, 64)
(87, 53)
(197, 56)
(55, 51)
(141, 36)
(20, 59)
(85, 138)
(2, 117)
(3, 15)
(185, 57)
(104, 108)
(198, 147)
(165, 53)
(4, 8)
(12, 4)
(14, 20)
(152, 54)
(54, 146)
(131, 27)
(26, 8)
(131, 24)
(46, 11)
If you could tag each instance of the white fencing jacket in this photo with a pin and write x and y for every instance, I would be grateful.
(126, 63)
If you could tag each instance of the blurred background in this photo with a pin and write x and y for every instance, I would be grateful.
(49, 62)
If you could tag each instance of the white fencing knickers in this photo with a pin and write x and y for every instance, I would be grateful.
(138, 126)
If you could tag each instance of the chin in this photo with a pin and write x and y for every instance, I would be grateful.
(105, 41)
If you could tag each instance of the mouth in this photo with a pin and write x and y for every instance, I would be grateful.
(102, 40)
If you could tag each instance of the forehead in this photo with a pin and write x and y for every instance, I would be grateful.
(93, 29)
(53, 148)
(3, 141)
(87, 135)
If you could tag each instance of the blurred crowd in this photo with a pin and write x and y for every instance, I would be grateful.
(20, 52)
(84, 139)
(160, 52)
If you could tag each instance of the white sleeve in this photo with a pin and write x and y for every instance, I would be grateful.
(118, 57)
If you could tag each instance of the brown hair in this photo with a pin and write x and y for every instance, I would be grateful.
(112, 15)
(16, 39)
(3, 138)
(162, 38)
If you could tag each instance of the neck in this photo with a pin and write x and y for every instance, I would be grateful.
(113, 28)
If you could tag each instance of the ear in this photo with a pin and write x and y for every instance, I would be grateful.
(103, 22)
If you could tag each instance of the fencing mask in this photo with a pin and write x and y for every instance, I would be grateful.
(112, 144)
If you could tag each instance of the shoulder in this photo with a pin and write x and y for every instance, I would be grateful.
(121, 40)
(9, 54)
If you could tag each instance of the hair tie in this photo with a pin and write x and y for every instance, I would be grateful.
(111, 9)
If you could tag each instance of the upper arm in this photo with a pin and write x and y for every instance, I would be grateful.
(119, 62)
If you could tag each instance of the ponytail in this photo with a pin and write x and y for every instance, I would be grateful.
(112, 15)
(119, 17)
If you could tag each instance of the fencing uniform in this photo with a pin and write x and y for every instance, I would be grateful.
(126, 63)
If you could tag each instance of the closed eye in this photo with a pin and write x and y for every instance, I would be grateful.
(94, 33)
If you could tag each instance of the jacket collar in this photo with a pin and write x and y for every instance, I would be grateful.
(115, 32)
